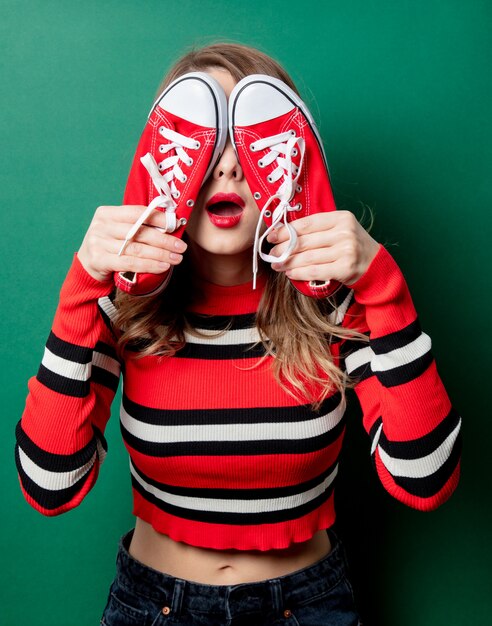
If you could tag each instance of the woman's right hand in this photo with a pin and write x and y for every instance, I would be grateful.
(150, 251)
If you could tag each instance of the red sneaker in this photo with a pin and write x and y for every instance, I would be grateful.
(182, 140)
(282, 157)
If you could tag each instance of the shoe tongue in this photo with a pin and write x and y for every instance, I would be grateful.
(225, 208)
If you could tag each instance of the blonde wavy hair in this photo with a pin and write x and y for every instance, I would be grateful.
(294, 329)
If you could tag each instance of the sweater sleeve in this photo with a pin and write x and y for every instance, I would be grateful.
(60, 440)
(414, 430)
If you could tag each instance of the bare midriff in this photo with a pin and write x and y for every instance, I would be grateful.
(222, 567)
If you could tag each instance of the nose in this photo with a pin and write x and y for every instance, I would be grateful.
(228, 165)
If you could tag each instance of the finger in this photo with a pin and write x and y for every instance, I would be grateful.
(322, 272)
(143, 251)
(139, 265)
(318, 239)
(148, 235)
(340, 269)
(306, 225)
(318, 256)
(128, 214)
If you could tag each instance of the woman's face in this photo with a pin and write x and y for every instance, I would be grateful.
(224, 228)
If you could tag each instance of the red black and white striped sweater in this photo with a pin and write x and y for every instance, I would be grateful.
(220, 455)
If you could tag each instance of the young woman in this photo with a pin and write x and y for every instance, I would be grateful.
(233, 397)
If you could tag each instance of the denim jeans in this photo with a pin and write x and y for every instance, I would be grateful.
(317, 595)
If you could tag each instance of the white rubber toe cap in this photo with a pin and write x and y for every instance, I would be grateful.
(258, 98)
(196, 97)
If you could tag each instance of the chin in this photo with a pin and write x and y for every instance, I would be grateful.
(223, 242)
(223, 248)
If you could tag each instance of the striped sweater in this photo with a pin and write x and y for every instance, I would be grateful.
(220, 455)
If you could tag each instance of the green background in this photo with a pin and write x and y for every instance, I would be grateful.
(401, 92)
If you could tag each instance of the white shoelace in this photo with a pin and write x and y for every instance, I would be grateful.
(164, 183)
(282, 148)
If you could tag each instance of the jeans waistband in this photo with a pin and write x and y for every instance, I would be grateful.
(268, 596)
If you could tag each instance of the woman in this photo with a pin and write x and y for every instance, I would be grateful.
(233, 397)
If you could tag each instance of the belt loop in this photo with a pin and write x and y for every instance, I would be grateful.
(277, 597)
(178, 595)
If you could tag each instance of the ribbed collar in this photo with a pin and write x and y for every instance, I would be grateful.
(213, 299)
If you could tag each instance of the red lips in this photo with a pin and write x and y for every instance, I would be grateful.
(225, 209)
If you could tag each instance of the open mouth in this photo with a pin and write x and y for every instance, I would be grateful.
(225, 209)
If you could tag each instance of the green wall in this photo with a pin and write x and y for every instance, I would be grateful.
(401, 91)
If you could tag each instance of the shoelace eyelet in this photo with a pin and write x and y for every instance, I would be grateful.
(252, 147)
(284, 143)
(257, 195)
(164, 184)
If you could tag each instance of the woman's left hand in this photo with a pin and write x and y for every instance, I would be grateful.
(330, 246)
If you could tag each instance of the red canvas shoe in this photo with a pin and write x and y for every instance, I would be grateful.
(182, 141)
(282, 157)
